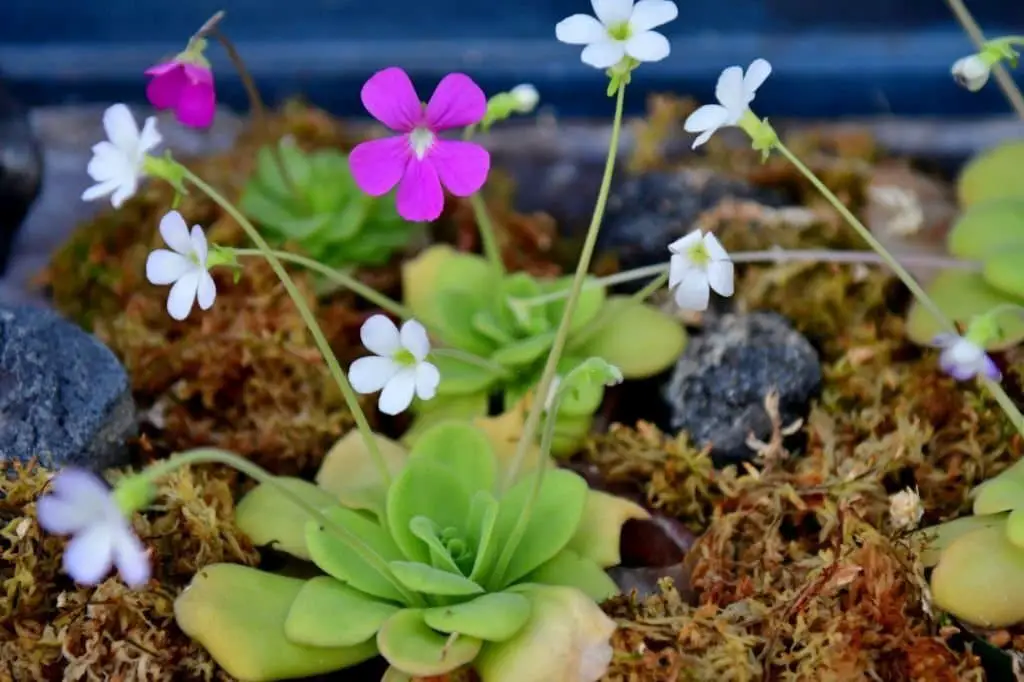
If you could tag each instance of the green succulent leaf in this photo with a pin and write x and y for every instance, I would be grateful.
(591, 301)
(410, 645)
(569, 569)
(985, 229)
(491, 617)
(440, 556)
(237, 614)
(999, 495)
(993, 174)
(1004, 272)
(1015, 528)
(523, 321)
(425, 488)
(328, 613)
(336, 558)
(463, 449)
(961, 295)
(554, 518)
(429, 580)
(349, 473)
(269, 518)
(599, 533)
(483, 519)
(459, 378)
(443, 408)
(525, 352)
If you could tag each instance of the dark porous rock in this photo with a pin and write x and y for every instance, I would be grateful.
(64, 398)
(647, 212)
(21, 170)
(718, 387)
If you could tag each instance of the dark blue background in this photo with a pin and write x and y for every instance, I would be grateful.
(831, 57)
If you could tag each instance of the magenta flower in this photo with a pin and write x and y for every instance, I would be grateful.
(185, 87)
(418, 161)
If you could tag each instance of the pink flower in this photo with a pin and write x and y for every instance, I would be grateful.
(185, 87)
(418, 161)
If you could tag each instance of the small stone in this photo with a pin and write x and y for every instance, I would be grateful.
(64, 397)
(21, 170)
(718, 387)
(648, 212)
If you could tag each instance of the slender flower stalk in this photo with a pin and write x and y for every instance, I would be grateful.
(488, 235)
(1006, 82)
(351, 400)
(562, 335)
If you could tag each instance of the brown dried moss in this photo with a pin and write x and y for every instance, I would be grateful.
(51, 629)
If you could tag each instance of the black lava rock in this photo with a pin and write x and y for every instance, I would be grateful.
(64, 397)
(21, 170)
(647, 212)
(718, 387)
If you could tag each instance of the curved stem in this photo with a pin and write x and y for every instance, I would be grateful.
(1005, 402)
(351, 400)
(488, 235)
(652, 286)
(562, 335)
(1003, 77)
(217, 456)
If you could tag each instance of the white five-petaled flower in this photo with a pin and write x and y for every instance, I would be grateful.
(185, 266)
(620, 30)
(734, 91)
(399, 366)
(80, 504)
(962, 359)
(699, 263)
(971, 72)
(117, 162)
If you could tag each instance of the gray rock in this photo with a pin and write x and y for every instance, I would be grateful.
(718, 386)
(64, 397)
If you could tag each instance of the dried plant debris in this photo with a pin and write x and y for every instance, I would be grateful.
(51, 629)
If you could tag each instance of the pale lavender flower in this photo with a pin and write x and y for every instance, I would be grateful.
(963, 359)
(82, 505)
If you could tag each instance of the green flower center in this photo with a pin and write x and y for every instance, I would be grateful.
(699, 254)
(404, 357)
(620, 31)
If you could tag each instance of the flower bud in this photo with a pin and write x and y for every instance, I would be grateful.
(526, 97)
(971, 72)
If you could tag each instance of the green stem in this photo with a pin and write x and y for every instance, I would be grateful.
(488, 235)
(1003, 77)
(652, 286)
(471, 359)
(1014, 414)
(307, 316)
(217, 456)
(562, 335)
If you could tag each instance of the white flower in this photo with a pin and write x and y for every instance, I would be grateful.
(905, 509)
(699, 264)
(117, 163)
(620, 30)
(962, 359)
(526, 97)
(81, 505)
(400, 366)
(734, 91)
(185, 267)
(971, 72)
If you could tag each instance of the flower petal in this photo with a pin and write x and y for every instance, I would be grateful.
(120, 126)
(457, 101)
(166, 267)
(131, 559)
(414, 339)
(989, 368)
(603, 54)
(693, 292)
(164, 89)
(580, 29)
(207, 291)
(60, 516)
(708, 117)
(150, 136)
(380, 336)
(729, 90)
(390, 98)
(427, 379)
(196, 105)
(420, 197)
(714, 248)
(678, 266)
(612, 11)
(461, 166)
(649, 46)
(757, 73)
(721, 277)
(198, 246)
(683, 245)
(378, 165)
(125, 191)
(83, 486)
(100, 190)
(183, 295)
(370, 374)
(398, 392)
(944, 340)
(175, 233)
(88, 557)
(648, 14)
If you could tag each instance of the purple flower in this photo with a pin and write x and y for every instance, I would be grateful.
(417, 160)
(185, 87)
(962, 359)
(82, 505)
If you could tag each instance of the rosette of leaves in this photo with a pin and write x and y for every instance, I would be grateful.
(475, 309)
(319, 208)
(453, 589)
(979, 559)
(990, 229)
